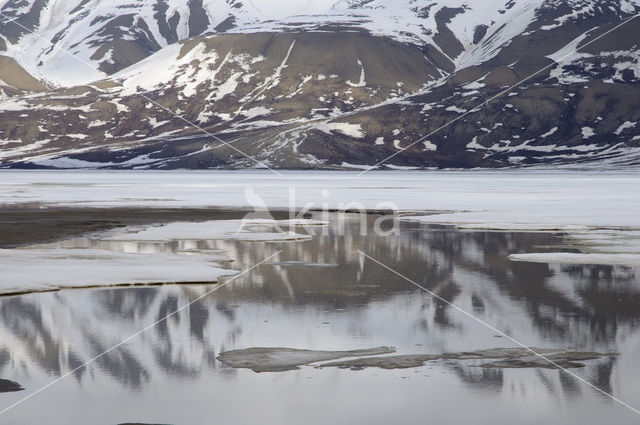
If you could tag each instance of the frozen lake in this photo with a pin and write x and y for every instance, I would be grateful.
(532, 197)
(599, 209)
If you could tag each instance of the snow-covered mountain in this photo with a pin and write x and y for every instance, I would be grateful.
(111, 35)
(318, 83)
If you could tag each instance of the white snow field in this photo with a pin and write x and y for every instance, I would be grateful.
(505, 199)
(598, 211)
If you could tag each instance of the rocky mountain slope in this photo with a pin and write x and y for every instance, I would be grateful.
(223, 83)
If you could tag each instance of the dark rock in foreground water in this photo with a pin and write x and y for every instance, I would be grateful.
(7, 386)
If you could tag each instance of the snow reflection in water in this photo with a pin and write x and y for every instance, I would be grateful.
(170, 374)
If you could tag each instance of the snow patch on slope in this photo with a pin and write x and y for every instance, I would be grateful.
(352, 130)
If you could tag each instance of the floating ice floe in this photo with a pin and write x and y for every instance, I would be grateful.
(606, 241)
(578, 258)
(300, 264)
(532, 227)
(75, 266)
(34, 270)
(505, 358)
(596, 246)
(290, 222)
(244, 230)
(612, 246)
(281, 359)
(284, 359)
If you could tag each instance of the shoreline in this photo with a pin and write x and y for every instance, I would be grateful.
(25, 226)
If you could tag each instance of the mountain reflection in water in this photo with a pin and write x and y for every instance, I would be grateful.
(321, 294)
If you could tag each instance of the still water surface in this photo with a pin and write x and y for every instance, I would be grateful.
(321, 294)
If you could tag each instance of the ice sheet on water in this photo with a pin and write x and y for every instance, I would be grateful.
(32, 270)
(244, 230)
(125, 256)
(577, 202)
(578, 258)
(281, 359)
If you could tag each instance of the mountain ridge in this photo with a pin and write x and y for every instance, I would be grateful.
(338, 90)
